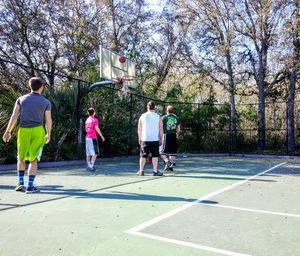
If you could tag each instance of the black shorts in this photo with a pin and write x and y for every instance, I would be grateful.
(169, 145)
(149, 147)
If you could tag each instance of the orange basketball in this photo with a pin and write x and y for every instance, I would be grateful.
(122, 59)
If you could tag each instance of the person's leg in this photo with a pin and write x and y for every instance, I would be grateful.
(23, 144)
(21, 166)
(88, 161)
(164, 157)
(95, 153)
(93, 160)
(144, 151)
(32, 172)
(35, 152)
(162, 149)
(90, 152)
(166, 160)
(155, 163)
(154, 149)
(172, 150)
(142, 164)
(173, 159)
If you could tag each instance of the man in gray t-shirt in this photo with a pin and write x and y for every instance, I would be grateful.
(35, 113)
(32, 109)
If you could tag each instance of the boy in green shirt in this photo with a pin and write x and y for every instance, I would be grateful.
(171, 129)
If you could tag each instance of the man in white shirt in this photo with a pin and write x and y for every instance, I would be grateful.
(150, 132)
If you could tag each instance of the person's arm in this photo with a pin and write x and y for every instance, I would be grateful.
(48, 125)
(12, 121)
(178, 130)
(161, 132)
(140, 131)
(99, 132)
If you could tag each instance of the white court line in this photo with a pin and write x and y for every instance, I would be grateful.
(135, 230)
(193, 245)
(186, 206)
(252, 210)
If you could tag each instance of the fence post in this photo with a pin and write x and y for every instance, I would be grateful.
(230, 134)
(78, 120)
(130, 126)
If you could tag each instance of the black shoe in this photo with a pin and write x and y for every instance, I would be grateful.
(20, 188)
(31, 190)
(140, 173)
(167, 166)
(157, 173)
(171, 169)
(172, 164)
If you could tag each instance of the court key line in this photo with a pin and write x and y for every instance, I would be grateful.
(251, 210)
(135, 230)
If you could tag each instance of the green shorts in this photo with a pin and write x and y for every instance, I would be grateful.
(30, 143)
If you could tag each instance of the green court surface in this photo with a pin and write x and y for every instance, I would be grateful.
(209, 206)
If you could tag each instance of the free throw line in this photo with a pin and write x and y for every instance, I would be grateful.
(136, 230)
(188, 205)
(252, 210)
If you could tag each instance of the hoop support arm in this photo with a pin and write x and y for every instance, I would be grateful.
(99, 84)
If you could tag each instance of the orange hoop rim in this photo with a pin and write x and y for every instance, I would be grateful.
(122, 79)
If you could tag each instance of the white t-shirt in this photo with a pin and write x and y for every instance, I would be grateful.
(150, 126)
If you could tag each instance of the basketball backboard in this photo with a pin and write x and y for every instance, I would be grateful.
(113, 68)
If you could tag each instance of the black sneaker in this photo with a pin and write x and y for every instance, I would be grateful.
(31, 190)
(171, 169)
(167, 166)
(172, 164)
(140, 173)
(20, 188)
(157, 173)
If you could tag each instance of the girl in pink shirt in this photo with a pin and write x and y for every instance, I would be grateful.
(91, 142)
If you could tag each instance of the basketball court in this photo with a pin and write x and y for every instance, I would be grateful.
(209, 206)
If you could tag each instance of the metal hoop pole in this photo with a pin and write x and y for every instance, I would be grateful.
(99, 84)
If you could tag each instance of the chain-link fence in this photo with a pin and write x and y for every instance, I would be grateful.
(205, 127)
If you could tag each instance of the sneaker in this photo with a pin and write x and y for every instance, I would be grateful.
(172, 164)
(140, 173)
(157, 173)
(171, 169)
(20, 188)
(89, 169)
(32, 189)
(93, 169)
(166, 166)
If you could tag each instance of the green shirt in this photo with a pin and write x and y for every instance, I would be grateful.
(170, 123)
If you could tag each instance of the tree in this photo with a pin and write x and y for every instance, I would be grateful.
(214, 35)
(293, 72)
(259, 24)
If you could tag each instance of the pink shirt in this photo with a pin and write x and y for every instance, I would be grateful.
(90, 124)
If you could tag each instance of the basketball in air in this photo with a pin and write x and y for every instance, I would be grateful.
(122, 59)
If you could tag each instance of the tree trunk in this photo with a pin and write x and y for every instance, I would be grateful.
(291, 144)
(233, 131)
(261, 120)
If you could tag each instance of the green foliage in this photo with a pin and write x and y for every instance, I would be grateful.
(174, 94)
(63, 101)
(8, 97)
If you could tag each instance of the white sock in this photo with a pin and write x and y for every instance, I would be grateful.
(92, 163)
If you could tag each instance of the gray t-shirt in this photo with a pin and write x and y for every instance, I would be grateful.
(32, 110)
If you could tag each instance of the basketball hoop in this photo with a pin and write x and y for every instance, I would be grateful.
(125, 82)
